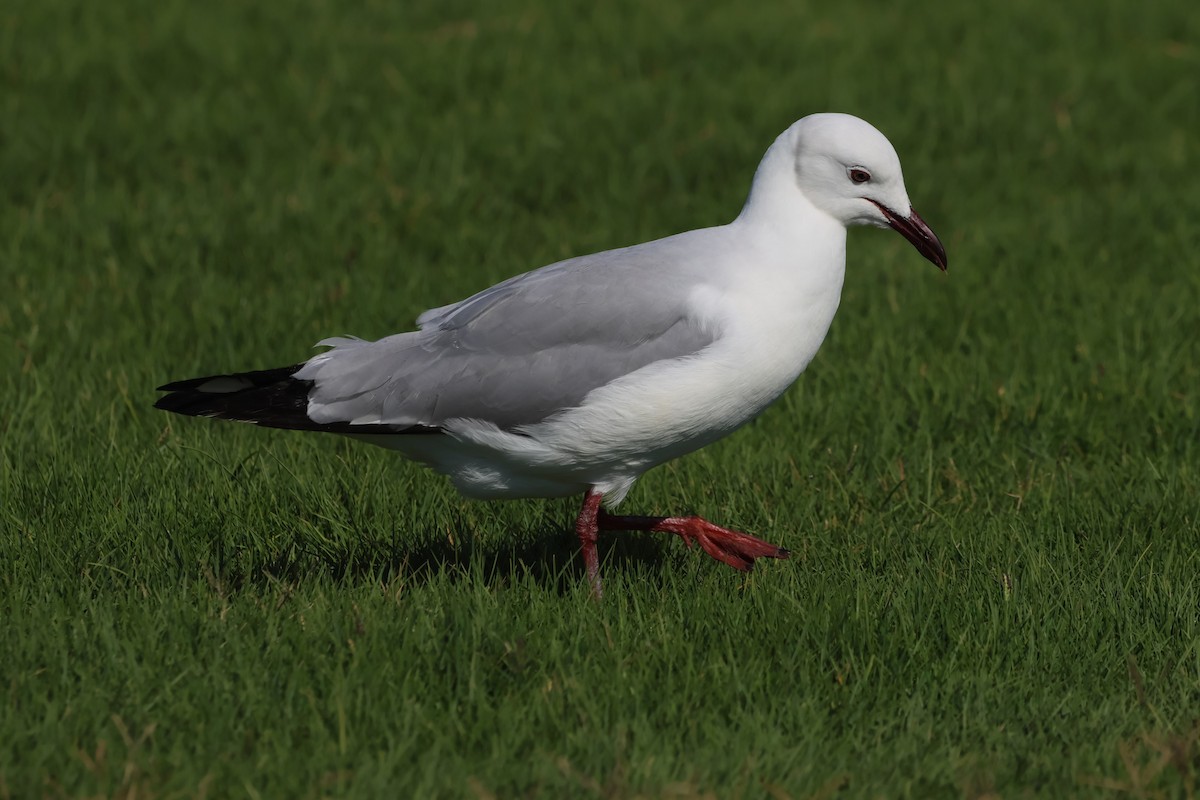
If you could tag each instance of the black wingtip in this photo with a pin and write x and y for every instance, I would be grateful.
(272, 398)
(268, 396)
(246, 380)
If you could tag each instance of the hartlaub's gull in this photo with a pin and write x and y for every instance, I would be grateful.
(578, 377)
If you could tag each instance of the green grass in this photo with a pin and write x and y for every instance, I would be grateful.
(990, 481)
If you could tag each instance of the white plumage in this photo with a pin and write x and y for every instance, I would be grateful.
(580, 376)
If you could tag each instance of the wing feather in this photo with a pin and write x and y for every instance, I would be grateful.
(519, 351)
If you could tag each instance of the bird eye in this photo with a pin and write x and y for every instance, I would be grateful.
(859, 175)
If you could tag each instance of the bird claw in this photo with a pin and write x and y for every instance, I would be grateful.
(738, 550)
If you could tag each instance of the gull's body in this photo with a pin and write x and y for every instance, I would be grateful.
(717, 376)
(580, 376)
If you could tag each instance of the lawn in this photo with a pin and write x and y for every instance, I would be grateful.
(989, 479)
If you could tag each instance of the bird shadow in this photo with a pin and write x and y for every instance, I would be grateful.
(548, 555)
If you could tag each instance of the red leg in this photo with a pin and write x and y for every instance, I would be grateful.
(738, 550)
(734, 548)
(587, 530)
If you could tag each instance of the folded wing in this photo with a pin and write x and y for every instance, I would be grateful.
(516, 353)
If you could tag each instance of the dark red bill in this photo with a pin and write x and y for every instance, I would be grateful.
(916, 231)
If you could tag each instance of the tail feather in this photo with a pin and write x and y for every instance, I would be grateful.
(272, 398)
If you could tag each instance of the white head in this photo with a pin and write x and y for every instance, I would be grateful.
(846, 168)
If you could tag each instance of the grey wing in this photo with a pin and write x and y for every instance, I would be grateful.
(518, 352)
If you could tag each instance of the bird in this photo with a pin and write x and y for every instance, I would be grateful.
(578, 377)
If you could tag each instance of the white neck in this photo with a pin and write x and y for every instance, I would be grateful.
(774, 191)
(777, 208)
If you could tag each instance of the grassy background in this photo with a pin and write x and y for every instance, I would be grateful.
(989, 480)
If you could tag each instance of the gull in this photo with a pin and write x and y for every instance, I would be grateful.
(578, 377)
